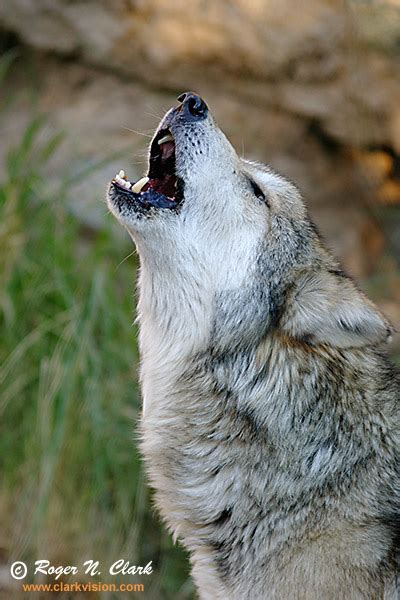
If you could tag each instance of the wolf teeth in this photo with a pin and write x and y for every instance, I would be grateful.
(122, 182)
(139, 185)
(166, 138)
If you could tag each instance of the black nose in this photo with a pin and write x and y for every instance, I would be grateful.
(193, 106)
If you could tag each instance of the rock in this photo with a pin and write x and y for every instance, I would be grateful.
(108, 122)
(336, 62)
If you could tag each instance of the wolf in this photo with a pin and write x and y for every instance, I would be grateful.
(270, 425)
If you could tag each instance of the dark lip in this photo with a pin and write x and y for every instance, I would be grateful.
(162, 175)
(147, 199)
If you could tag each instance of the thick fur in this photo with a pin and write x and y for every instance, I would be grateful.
(271, 417)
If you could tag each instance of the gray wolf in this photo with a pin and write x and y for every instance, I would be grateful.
(271, 418)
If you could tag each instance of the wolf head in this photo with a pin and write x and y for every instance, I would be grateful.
(218, 231)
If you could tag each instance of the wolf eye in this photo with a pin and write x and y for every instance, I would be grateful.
(257, 191)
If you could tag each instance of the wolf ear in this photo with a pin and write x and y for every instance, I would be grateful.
(327, 308)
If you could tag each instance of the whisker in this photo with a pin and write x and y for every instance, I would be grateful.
(137, 132)
(124, 259)
(159, 117)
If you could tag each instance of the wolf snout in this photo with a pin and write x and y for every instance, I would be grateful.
(192, 106)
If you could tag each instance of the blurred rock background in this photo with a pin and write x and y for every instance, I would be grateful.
(311, 87)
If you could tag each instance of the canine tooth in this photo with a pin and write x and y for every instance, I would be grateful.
(139, 185)
(167, 138)
(122, 174)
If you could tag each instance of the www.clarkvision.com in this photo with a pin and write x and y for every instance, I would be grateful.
(42, 568)
(82, 587)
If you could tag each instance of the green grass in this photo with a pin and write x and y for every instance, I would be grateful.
(72, 483)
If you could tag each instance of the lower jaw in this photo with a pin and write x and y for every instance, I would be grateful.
(147, 201)
(167, 185)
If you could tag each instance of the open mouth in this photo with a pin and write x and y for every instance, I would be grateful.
(161, 188)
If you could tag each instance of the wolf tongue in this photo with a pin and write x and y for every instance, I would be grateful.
(167, 149)
(164, 186)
